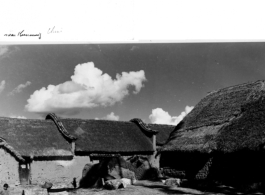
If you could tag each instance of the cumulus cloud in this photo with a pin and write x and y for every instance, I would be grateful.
(88, 88)
(112, 117)
(2, 85)
(20, 117)
(159, 116)
(19, 88)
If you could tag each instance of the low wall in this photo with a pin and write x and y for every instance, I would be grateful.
(58, 171)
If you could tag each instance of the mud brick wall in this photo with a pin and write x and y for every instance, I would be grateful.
(58, 171)
(8, 168)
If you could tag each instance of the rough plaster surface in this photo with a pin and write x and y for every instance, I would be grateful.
(58, 171)
(28, 190)
(8, 168)
(156, 161)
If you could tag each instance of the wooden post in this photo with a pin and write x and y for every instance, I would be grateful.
(73, 147)
(152, 157)
(154, 142)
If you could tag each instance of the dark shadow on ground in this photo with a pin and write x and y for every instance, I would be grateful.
(192, 189)
(61, 190)
(228, 190)
(167, 189)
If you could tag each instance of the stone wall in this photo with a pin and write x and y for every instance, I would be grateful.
(8, 168)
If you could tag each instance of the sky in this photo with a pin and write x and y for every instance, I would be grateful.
(156, 82)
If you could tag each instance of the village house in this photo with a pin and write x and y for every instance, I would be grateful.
(33, 151)
(221, 139)
(56, 150)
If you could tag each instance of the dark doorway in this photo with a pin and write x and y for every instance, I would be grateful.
(24, 173)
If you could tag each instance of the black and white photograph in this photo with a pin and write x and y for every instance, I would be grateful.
(162, 112)
(136, 112)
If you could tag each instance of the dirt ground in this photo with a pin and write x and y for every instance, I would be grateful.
(137, 190)
(140, 188)
(131, 190)
(157, 188)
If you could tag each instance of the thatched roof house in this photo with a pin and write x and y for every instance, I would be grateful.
(40, 148)
(53, 137)
(226, 121)
(31, 149)
(34, 150)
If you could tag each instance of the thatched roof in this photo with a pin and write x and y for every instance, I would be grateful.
(226, 120)
(34, 138)
(103, 136)
(163, 132)
(52, 137)
(60, 126)
(144, 127)
(11, 150)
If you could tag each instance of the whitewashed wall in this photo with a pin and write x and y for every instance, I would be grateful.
(58, 171)
(8, 168)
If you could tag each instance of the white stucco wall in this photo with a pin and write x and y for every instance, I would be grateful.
(58, 171)
(8, 168)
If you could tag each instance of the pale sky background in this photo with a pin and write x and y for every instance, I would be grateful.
(169, 55)
(156, 82)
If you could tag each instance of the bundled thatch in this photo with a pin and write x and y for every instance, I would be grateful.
(34, 138)
(105, 137)
(227, 120)
(163, 132)
(10, 149)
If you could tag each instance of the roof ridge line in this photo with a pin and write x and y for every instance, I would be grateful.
(207, 125)
(11, 149)
(241, 84)
(60, 126)
(157, 124)
(143, 125)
